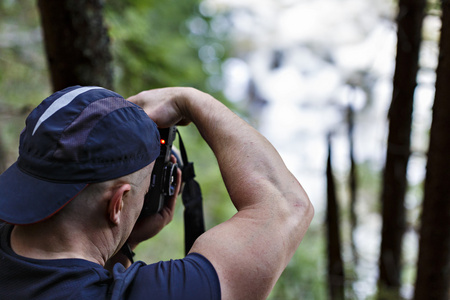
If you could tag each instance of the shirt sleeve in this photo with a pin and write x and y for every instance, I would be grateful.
(193, 277)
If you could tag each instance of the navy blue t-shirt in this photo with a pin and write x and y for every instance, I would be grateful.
(23, 278)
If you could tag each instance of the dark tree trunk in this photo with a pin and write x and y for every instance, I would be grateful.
(352, 182)
(335, 265)
(433, 270)
(410, 18)
(76, 43)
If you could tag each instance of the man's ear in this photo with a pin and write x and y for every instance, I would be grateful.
(116, 203)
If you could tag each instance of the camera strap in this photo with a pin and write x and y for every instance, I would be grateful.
(192, 200)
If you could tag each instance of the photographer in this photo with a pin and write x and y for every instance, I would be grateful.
(77, 190)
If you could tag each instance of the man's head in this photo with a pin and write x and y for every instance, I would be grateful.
(75, 137)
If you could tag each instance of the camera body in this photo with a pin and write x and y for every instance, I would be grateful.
(164, 175)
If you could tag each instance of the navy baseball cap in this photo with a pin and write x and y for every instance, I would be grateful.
(75, 137)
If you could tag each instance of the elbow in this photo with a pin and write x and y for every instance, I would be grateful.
(296, 217)
(298, 203)
(299, 211)
(307, 207)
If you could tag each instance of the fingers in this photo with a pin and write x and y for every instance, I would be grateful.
(162, 106)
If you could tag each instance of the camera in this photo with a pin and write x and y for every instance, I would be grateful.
(164, 175)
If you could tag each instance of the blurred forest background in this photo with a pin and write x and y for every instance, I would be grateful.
(319, 82)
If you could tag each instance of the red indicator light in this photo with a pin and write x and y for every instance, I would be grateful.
(163, 142)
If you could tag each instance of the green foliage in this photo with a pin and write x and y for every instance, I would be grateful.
(24, 80)
(434, 7)
(23, 75)
(305, 276)
(153, 45)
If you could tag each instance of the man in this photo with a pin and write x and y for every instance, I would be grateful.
(73, 199)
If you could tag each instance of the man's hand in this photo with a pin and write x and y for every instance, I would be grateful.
(164, 106)
(147, 227)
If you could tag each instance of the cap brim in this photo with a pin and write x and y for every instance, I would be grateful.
(25, 199)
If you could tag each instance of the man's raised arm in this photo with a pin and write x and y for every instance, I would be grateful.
(249, 251)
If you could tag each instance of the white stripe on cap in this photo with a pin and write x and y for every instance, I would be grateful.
(60, 103)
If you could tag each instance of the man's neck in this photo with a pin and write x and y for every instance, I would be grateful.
(35, 241)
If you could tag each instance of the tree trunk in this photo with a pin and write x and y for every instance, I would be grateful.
(352, 182)
(433, 270)
(335, 265)
(76, 43)
(410, 18)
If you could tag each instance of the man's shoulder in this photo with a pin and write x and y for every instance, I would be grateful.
(192, 277)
